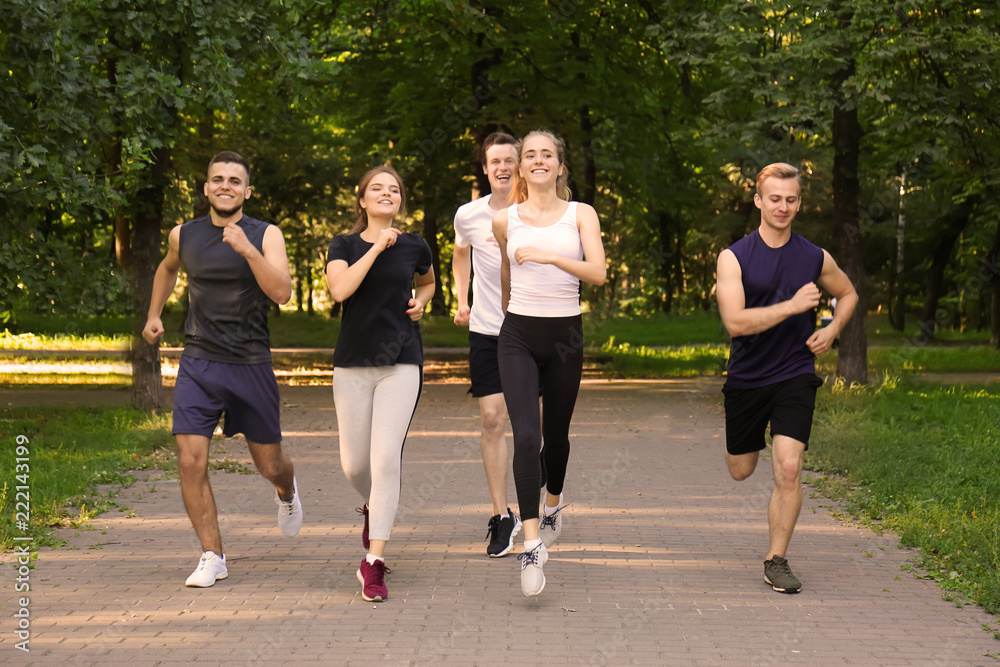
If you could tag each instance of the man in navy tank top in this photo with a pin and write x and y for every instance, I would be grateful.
(767, 294)
(236, 267)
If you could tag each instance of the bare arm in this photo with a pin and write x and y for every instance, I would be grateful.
(835, 281)
(500, 234)
(343, 280)
(163, 285)
(592, 268)
(461, 267)
(424, 290)
(270, 267)
(742, 321)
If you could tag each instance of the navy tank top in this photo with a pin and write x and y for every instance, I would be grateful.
(772, 275)
(227, 314)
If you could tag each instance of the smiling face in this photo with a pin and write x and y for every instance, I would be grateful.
(382, 196)
(501, 161)
(227, 188)
(539, 160)
(779, 200)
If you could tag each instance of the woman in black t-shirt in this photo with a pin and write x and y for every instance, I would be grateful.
(384, 278)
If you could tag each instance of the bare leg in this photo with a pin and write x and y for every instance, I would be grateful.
(274, 466)
(530, 529)
(786, 498)
(742, 466)
(377, 548)
(192, 455)
(493, 411)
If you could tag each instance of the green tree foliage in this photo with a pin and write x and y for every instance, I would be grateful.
(110, 110)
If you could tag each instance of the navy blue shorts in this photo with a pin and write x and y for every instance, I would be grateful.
(788, 405)
(484, 369)
(246, 393)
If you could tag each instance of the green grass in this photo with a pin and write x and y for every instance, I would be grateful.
(923, 463)
(626, 361)
(71, 451)
(906, 359)
(33, 341)
(655, 331)
(880, 332)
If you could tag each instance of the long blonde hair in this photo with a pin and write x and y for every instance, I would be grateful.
(361, 224)
(519, 190)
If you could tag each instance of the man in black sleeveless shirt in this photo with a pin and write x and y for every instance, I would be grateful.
(767, 292)
(236, 266)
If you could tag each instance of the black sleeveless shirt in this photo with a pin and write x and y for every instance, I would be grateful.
(771, 275)
(227, 316)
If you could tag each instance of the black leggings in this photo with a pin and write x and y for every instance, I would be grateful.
(544, 352)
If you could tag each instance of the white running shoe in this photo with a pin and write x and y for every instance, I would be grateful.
(290, 512)
(550, 525)
(210, 569)
(532, 577)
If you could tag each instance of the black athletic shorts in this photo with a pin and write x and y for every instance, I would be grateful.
(787, 405)
(246, 393)
(484, 369)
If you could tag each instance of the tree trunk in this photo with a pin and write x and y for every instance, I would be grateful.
(991, 263)
(852, 362)
(663, 258)
(953, 224)
(899, 319)
(430, 233)
(589, 180)
(147, 216)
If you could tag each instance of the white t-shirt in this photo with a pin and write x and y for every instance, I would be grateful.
(473, 226)
(544, 290)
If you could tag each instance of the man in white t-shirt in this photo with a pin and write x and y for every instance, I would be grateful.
(477, 250)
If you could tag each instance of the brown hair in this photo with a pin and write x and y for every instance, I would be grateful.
(229, 156)
(778, 170)
(497, 139)
(519, 191)
(361, 224)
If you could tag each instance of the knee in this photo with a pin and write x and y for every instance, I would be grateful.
(192, 463)
(271, 469)
(493, 422)
(355, 471)
(788, 473)
(740, 474)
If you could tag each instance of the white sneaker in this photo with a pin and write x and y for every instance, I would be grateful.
(550, 525)
(289, 512)
(210, 569)
(532, 577)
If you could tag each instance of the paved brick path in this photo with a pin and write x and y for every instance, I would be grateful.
(659, 564)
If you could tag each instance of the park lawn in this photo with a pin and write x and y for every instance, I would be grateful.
(71, 451)
(921, 461)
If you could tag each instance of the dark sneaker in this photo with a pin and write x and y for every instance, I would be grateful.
(502, 530)
(372, 578)
(779, 575)
(364, 531)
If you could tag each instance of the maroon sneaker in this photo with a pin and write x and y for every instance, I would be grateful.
(364, 531)
(372, 578)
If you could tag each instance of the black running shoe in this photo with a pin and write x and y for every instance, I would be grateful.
(502, 530)
(779, 575)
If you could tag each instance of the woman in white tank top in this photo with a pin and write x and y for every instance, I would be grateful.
(548, 245)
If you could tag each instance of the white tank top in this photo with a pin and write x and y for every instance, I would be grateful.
(544, 290)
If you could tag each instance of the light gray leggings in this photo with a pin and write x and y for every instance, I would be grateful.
(374, 407)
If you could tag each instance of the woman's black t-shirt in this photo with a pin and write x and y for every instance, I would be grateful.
(375, 329)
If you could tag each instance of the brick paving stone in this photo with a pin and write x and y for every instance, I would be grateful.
(660, 562)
